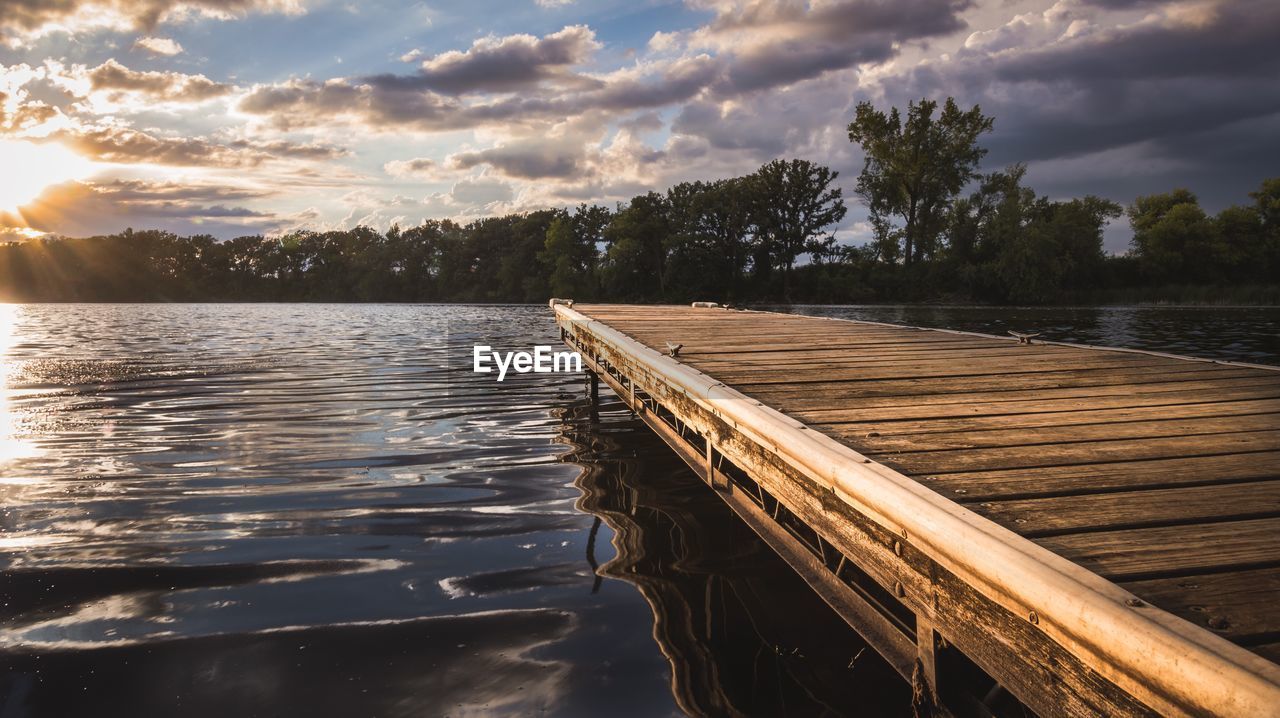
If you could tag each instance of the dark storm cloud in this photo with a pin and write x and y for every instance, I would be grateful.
(499, 65)
(1181, 98)
(1236, 39)
(1149, 81)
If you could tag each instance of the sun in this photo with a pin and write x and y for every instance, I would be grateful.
(29, 168)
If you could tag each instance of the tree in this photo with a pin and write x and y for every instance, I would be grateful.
(639, 237)
(1267, 205)
(1173, 239)
(913, 169)
(712, 222)
(1015, 246)
(570, 253)
(793, 203)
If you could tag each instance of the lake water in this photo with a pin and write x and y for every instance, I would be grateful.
(318, 509)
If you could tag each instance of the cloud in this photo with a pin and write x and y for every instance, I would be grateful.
(526, 159)
(549, 4)
(158, 46)
(20, 113)
(87, 208)
(480, 191)
(469, 198)
(166, 86)
(129, 146)
(411, 55)
(39, 17)
(1078, 94)
(757, 47)
(499, 64)
(422, 168)
(784, 41)
(20, 118)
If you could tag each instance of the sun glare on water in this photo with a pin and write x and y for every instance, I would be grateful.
(26, 169)
(12, 446)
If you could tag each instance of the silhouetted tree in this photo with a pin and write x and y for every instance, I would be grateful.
(914, 167)
(793, 205)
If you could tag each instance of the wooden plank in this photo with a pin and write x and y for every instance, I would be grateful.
(876, 442)
(1167, 552)
(899, 420)
(1177, 458)
(1240, 605)
(759, 376)
(1134, 509)
(809, 358)
(827, 394)
(1091, 478)
(762, 342)
(1027, 401)
(1086, 452)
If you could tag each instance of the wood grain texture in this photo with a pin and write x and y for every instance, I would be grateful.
(1158, 472)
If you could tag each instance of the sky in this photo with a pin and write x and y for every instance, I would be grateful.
(233, 117)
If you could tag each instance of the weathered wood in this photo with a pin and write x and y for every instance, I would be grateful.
(1239, 605)
(981, 417)
(1091, 478)
(1135, 554)
(801, 396)
(878, 371)
(1157, 471)
(957, 403)
(877, 441)
(1081, 452)
(1135, 509)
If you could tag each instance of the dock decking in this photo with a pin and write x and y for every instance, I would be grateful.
(1098, 531)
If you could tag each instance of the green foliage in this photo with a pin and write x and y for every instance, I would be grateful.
(913, 169)
(793, 203)
(639, 237)
(712, 225)
(1175, 240)
(1010, 245)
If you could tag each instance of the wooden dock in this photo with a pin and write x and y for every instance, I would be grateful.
(1088, 531)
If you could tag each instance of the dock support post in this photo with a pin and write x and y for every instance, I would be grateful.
(924, 680)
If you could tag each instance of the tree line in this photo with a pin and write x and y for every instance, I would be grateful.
(766, 236)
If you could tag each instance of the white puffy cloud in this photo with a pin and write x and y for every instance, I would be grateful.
(159, 46)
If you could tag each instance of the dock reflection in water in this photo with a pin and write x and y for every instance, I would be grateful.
(743, 633)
